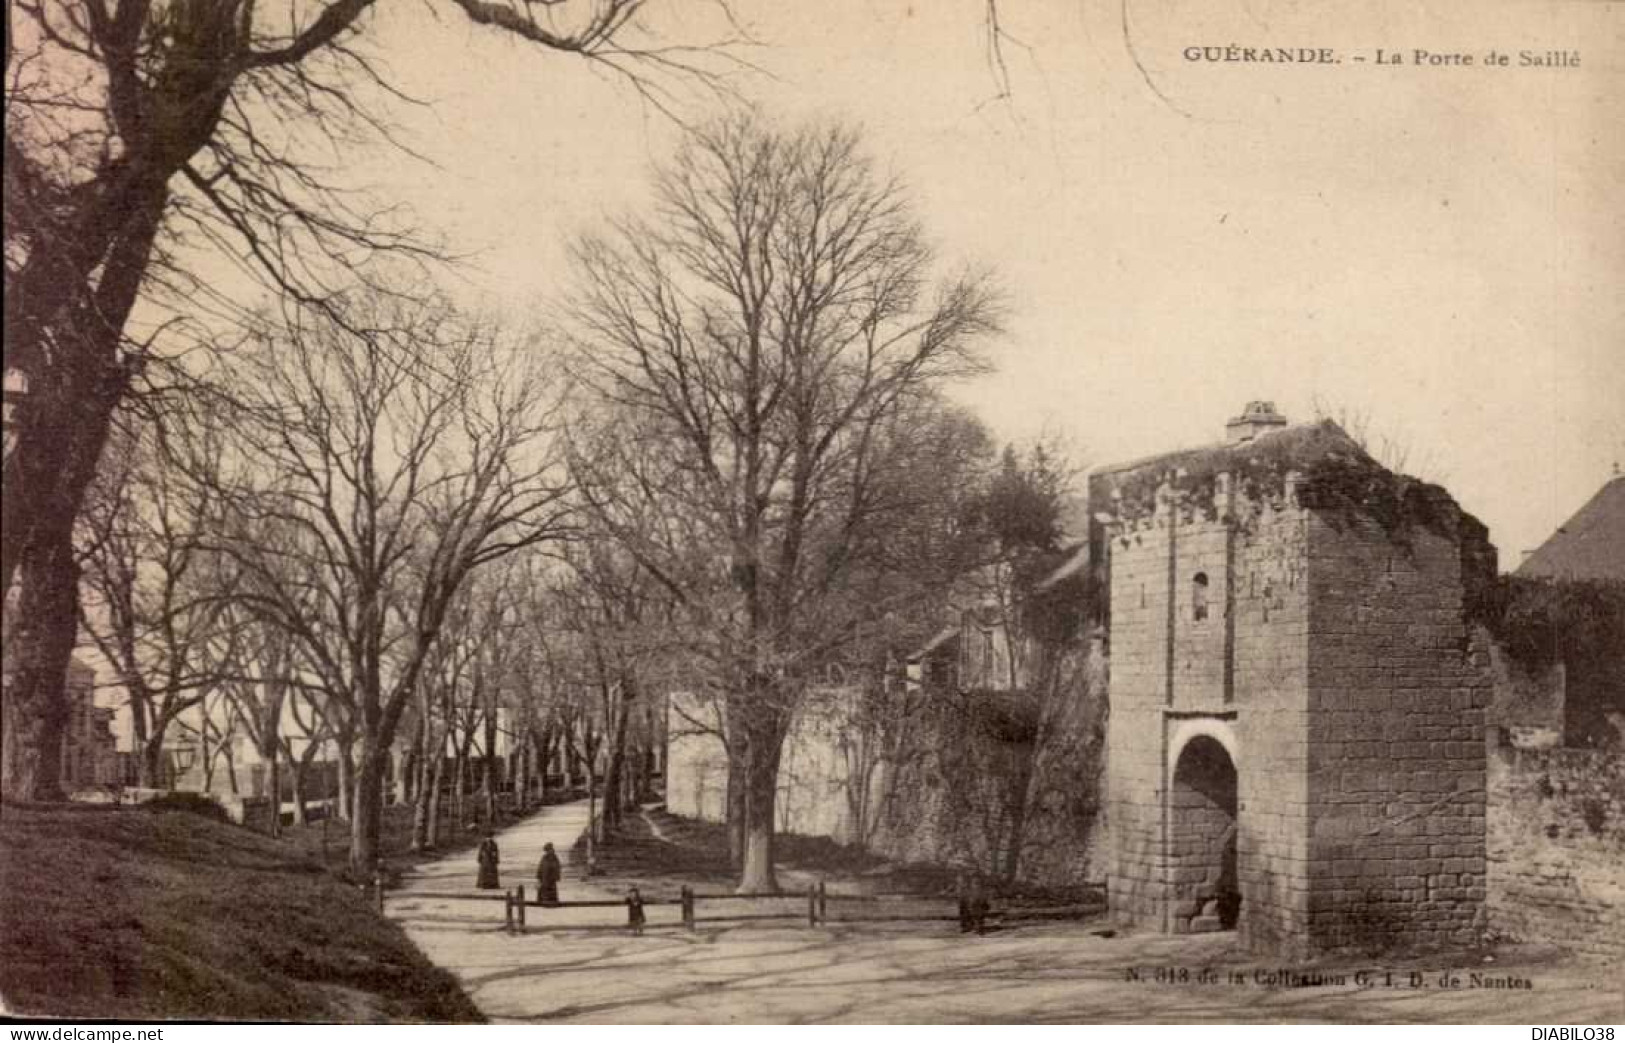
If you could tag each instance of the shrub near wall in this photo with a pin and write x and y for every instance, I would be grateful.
(1556, 845)
(989, 782)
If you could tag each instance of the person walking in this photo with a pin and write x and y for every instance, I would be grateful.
(548, 871)
(634, 911)
(973, 903)
(978, 903)
(488, 858)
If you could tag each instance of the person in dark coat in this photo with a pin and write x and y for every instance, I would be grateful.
(973, 903)
(548, 871)
(488, 859)
(634, 911)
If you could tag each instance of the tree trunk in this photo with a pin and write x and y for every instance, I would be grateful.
(758, 730)
(488, 783)
(152, 769)
(299, 774)
(521, 773)
(62, 424)
(398, 759)
(365, 852)
(761, 785)
(346, 765)
(420, 797)
(206, 754)
(42, 644)
(420, 821)
(646, 762)
(422, 785)
(274, 769)
(459, 782)
(567, 757)
(231, 769)
(736, 812)
(544, 754)
(413, 782)
(594, 810)
(437, 779)
(139, 718)
(268, 748)
(613, 800)
(593, 825)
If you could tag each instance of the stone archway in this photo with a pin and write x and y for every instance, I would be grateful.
(1202, 838)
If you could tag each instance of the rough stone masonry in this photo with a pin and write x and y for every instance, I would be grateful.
(1296, 740)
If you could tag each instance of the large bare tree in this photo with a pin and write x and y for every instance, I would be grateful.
(764, 341)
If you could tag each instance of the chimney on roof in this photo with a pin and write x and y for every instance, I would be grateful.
(1256, 419)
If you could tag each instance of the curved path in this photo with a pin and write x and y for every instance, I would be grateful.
(581, 965)
(416, 903)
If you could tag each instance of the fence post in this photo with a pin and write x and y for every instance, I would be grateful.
(812, 906)
(521, 908)
(507, 911)
(823, 902)
(688, 907)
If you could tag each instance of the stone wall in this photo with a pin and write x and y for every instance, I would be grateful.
(957, 781)
(1398, 690)
(1556, 848)
(815, 769)
(696, 762)
(1271, 668)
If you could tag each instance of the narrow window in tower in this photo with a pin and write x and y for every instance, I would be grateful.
(1199, 596)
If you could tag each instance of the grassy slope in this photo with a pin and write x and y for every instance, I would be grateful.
(133, 914)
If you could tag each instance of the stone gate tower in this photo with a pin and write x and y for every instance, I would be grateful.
(1295, 745)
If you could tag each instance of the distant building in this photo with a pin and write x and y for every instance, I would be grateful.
(90, 756)
(1578, 698)
(1590, 545)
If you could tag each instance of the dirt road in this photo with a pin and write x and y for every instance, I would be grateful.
(592, 971)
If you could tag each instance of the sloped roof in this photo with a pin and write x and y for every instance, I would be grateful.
(1590, 545)
(1333, 473)
(1297, 445)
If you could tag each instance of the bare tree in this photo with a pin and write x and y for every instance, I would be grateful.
(1027, 726)
(301, 746)
(142, 133)
(1390, 449)
(759, 337)
(405, 458)
(158, 594)
(612, 641)
(260, 677)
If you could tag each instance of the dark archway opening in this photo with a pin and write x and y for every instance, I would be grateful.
(1202, 839)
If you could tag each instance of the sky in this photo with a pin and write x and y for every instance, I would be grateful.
(1436, 249)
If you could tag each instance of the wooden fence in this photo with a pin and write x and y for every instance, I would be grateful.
(811, 906)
